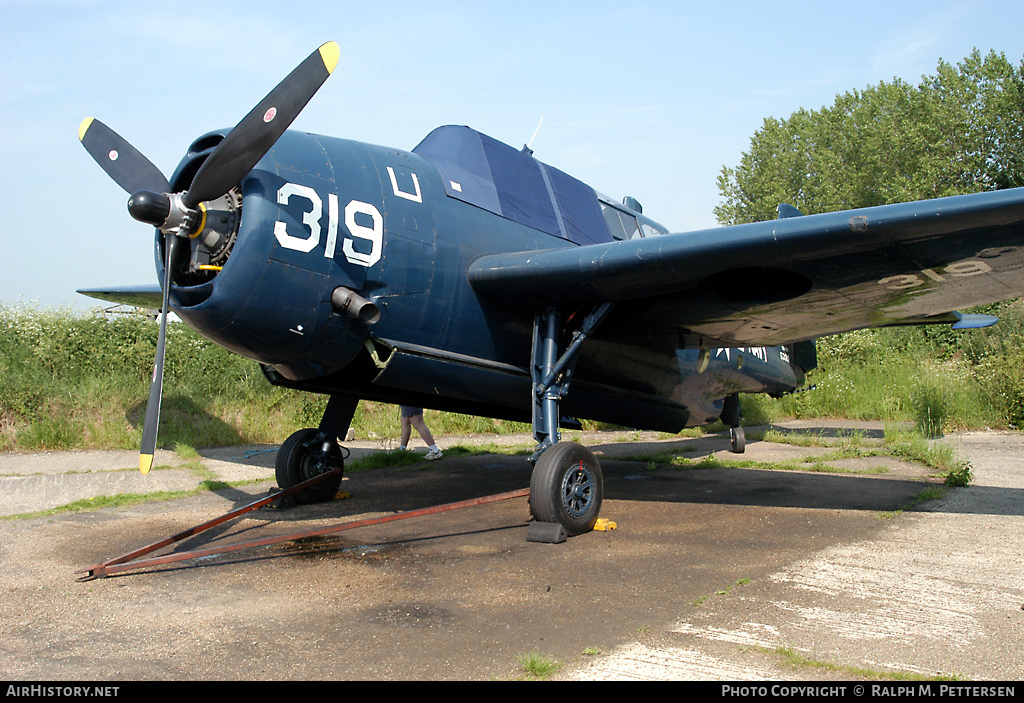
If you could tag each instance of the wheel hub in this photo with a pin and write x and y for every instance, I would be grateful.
(577, 490)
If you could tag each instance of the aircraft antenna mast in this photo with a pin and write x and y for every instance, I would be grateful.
(529, 143)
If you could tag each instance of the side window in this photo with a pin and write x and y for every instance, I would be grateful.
(629, 223)
(621, 225)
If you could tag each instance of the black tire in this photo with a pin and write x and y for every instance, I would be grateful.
(567, 487)
(738, 440)
(297, 462)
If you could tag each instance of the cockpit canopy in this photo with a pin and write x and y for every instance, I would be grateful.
(482, 171)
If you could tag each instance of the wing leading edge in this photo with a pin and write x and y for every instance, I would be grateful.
(790, 279)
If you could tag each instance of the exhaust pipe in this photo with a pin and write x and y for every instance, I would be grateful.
(354, 305)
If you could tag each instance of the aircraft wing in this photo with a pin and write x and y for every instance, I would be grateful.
(145, 296)
(785, 280)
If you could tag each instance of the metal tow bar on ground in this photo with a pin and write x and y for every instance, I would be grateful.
(131, 561)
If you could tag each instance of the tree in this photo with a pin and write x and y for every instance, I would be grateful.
(959, 131)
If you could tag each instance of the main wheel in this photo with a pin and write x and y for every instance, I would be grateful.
(567, 488)
(301, 458)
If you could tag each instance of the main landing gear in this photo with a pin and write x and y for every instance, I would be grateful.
(567, 486)
(311, 452)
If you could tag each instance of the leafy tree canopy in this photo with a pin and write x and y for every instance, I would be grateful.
(959, 131)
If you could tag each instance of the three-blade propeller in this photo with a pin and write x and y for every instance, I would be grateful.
(178, 215)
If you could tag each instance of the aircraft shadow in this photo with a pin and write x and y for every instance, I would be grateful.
(760, 485)
(460, 478)
(794, 489)
(394, 490)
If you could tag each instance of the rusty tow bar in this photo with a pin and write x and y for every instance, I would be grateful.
(131, 561)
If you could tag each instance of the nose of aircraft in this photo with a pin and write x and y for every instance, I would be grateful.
(177, 215)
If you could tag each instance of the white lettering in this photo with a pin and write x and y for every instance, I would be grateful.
(912, 280)
(968, 268)
(375, 234)
(311, 219)
(415, 196)
(906, 280)
(332, 225)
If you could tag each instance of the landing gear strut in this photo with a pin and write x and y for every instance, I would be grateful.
(311, 452)
(731, 415)
(567, 486)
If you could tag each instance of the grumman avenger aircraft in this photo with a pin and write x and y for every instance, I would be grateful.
(466, 275)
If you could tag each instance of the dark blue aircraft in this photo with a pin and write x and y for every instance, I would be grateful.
(468, 276)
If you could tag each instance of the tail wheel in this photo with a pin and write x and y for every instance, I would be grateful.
(301, 458)
(567, 487)
(738, 440)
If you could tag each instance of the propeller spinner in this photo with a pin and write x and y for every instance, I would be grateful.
(182, 214)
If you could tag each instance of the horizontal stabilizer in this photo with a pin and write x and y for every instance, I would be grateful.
(973, 321)
(148, 296)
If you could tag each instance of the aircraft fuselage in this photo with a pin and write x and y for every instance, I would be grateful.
(318, 213)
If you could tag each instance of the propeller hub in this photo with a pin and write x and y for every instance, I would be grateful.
(150, 207)
(165, 211)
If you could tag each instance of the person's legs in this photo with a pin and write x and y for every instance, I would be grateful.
(413, 417)
(417, 421)
(421, 427)
(406, 433)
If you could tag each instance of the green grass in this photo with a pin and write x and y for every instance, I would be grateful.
(538, 666)
(912, 446)
(728, 589)
(797, 660)
(933, 493)
(940, 379)
(723, 592)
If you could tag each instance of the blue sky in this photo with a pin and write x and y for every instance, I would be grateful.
(648, 99)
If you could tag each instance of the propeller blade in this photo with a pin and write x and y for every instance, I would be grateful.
(253, 137)
(156, 386)
(122, 162)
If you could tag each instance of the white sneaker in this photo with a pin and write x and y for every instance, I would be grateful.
(433, 454)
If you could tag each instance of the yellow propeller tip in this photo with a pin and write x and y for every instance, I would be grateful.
(330, 53)
(84, 127)
(145, 463)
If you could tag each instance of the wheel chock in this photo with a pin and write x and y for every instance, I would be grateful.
(550, 532)
(285, 503)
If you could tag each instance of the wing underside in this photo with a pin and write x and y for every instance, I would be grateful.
(786, 280)
(144, 296)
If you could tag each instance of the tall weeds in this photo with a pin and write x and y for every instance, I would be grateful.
(74, 381)
(939, 378)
